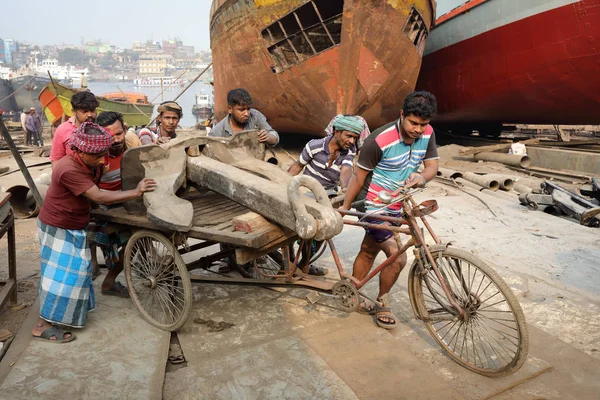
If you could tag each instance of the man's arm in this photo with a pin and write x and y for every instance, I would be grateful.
(420, 179)
(113, 197)
(345, 177)
(266, 134)
(356, 183)
(296, 168)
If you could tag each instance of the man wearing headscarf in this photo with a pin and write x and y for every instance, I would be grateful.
(65, 289)
(329, 160)
(169, 115)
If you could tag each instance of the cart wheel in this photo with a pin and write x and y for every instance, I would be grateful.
(346, 296)
(264, 267)
(158, 280)
(491, 339)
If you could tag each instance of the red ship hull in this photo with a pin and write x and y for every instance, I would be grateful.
(543, 69)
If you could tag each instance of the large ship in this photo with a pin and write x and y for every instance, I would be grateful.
(305, 61)
(513, 61)
(26, 90)
(7, 102)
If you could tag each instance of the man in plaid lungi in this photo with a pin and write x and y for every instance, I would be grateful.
(65, 289)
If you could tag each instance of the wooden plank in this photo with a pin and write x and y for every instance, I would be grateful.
(249, 222)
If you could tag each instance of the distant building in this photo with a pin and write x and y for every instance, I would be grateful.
(152, 66)
(7, 47)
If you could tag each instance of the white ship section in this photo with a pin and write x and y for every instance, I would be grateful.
(489, 15)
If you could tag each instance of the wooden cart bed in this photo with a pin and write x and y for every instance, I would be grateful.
(212, 221)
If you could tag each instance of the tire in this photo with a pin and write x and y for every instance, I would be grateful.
(493, 339)
(269, 264)
(158, 280)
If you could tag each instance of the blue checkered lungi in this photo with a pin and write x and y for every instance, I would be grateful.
(65, 289)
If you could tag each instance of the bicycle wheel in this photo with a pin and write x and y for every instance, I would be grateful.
(269, 264)
(491, 339)
(158, 280)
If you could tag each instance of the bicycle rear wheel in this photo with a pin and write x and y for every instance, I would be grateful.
(491, 339)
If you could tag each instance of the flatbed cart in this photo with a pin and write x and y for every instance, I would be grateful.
(465, 305)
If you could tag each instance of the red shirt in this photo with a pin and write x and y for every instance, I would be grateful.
(111, 177)
(65, 206)
(62, 135)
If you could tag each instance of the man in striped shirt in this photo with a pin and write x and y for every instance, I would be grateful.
(329, 160)
(389, 159)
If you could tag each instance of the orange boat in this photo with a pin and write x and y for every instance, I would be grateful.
(56, 103)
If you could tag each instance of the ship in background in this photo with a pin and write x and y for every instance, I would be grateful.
(26, 90)
(202, 108)
(491, 62)
(305, 61)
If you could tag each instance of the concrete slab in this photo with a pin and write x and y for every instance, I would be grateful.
(279, 369)
(117, 355)
(283, 347)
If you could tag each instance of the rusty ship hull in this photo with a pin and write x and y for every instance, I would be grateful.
(305, 61)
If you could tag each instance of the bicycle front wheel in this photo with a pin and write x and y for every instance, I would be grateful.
(491, 338)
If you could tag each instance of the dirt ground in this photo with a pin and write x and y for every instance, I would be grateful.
(551, 263)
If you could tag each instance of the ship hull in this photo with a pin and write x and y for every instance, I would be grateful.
(369, 72)
(26, 91)
(7, 102)
(542, 68)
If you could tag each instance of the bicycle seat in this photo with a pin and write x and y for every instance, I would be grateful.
(425, 208)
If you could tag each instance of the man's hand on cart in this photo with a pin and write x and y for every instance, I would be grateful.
(146, 185)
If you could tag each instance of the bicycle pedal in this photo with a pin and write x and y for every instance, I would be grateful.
(313, 297)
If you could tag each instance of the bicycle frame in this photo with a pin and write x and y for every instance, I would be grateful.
(411, 211)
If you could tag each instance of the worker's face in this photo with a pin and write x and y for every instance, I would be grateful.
(168, 121)
(240, 114)
(345, 139)
(85, 116)
(118, 139)
(412, 126)
(93, 160)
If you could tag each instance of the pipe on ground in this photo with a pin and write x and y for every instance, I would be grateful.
(468, 184)
(22, 201)
(514, 160)
(506, 182)
(482, 180)
(449, 173)
(522, 189)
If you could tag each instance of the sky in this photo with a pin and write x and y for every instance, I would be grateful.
(117, 22)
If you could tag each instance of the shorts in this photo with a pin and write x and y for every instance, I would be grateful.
(380, 235)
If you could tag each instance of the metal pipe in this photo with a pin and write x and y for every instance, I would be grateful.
(17, 156)
(468, 184)
(522, 189)
(515, 160)
(449, 173)
(506, 183)
(482, 180)
(382, 227)
(22, 201)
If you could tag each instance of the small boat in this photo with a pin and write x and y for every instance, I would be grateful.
(127, 97)
(491, 62)
(56, 103)
(203, 108)
(164, 81)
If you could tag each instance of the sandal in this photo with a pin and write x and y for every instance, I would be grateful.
(366, 308)
(117, 289)
(385, 312)
(58, 333)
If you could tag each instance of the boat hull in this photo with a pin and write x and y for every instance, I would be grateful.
(27, 89)
(371, 70)
(540, 69)
(7, 102)
(56, 102)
